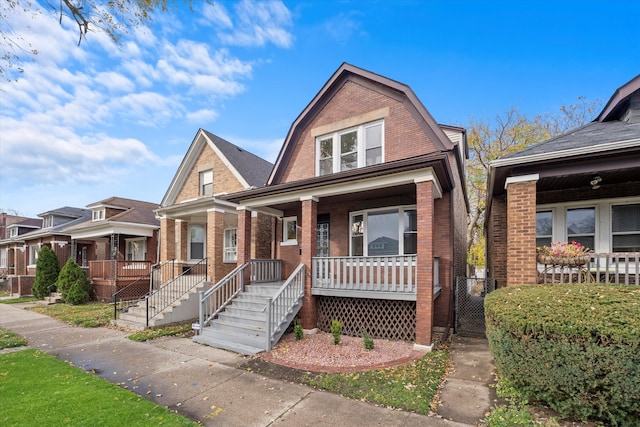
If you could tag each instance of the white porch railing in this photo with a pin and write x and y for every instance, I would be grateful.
(216, 298)
(284, 305)
(383, 277)
(618, 267)
(266, 270)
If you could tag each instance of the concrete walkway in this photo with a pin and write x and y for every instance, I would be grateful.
(204, 383)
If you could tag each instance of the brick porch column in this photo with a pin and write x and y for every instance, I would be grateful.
(215, 244)
(244, 239)
(167, 239)
(309, 225)
(521, 230)
(424, 302)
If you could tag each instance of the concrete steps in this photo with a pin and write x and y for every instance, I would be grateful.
(242, 326)
(54, 298)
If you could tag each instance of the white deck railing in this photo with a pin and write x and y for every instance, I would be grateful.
(266, 270)
(391, 277)
(618, 267)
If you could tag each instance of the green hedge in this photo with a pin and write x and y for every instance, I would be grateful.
(574, 347)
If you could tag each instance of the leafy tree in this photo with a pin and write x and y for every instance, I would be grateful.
(47, 270)
(508, 133)
(73, 283)
(115, 18)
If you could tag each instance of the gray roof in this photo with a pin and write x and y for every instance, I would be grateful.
(67, 211)
(594, 133)
(254, 169)
(78, 216)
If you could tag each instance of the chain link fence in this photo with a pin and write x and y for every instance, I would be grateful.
(469, 304)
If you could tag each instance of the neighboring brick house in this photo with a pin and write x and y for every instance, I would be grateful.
(23, 249)
(581, 186)
(117, 243)
(196, 223)
(368, 193)
(13, 228)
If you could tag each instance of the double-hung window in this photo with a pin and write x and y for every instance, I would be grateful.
(206, 183)
(230, 245)
(383, 232)
(3, 257)
(350, 148)
(290, 230)
(581, 226)
(33, 254)
(544, 228)
(625, 228)
(196, 242)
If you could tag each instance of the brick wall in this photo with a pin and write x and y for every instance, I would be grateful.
(223, 179)
(521, 233)
(262, 228)
(497, 241)
(167, 239)
(424, 303)
(403, 136)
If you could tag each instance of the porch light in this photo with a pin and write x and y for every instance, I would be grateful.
(595, 182)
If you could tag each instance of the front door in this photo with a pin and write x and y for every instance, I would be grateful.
(322, 241)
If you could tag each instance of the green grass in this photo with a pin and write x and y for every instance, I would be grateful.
(149, 334)
(9, 340)
(92, 315)
(18, 300)
(38, 389)
(410, 387)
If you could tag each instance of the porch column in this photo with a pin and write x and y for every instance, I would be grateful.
(215, 245)
(167, 239)
(424, 297)
(243, 235)
(521, 230)
(309, 310)
(182, 245)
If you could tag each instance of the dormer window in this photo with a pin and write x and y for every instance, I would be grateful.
(350, 148)
(98, 215)
(206, 183)
(47, 222)
(14, 232)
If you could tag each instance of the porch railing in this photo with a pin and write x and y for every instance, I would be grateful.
(374, 275)
(216, 298)
(160, 299)
(266, 270)
(111, 269)
(284, 305)
(617, 267)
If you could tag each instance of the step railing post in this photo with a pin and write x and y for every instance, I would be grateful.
(268, 331)
(201, 314)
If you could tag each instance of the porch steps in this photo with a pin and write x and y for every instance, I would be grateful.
(242, 326)
(54, 298)
(183, 309)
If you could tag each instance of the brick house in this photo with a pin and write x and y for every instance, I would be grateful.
(581, 186)
(369, 203)
(27, 238)
(198, 230)
(117, 243)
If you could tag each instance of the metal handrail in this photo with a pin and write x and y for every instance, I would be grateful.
(160, 299)
(280, 307)
(216, 298)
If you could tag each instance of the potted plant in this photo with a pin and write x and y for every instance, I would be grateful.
(565, 254)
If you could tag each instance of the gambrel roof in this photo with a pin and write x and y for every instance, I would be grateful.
(250, 170)
(347, 72)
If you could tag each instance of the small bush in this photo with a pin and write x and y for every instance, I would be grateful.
(574, 347)
(297, 330)
(367, 341)
(47, 270)
(336, 331)
(73, 284)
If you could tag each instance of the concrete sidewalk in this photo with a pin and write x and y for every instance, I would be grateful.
(204, 383)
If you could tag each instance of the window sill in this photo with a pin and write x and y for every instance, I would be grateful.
(289, 243)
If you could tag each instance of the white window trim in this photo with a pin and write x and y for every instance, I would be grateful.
(4, 255)
(137, 239)
(204, 243)
(361, 148)
(98, 215)
(603, 234)
(227, 248)
(365, 213)
(201, 179)
(14, 232)
(285, 240)
(34, 264)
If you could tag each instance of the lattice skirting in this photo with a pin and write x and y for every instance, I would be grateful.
(387, 319)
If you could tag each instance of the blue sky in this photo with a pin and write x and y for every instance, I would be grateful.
(85, 123)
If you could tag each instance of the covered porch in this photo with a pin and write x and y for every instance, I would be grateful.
(358, 241)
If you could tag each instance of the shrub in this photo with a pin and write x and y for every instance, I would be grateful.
(336, 331)
(73, 284)
(367, 341)
(297, 331)
(574, 347)
(47, 270)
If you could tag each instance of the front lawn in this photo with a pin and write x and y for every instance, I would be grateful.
(91, 315)
(38, 389)
(9, 339)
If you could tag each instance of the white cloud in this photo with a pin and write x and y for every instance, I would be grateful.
(202, 116)
(215, 14)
